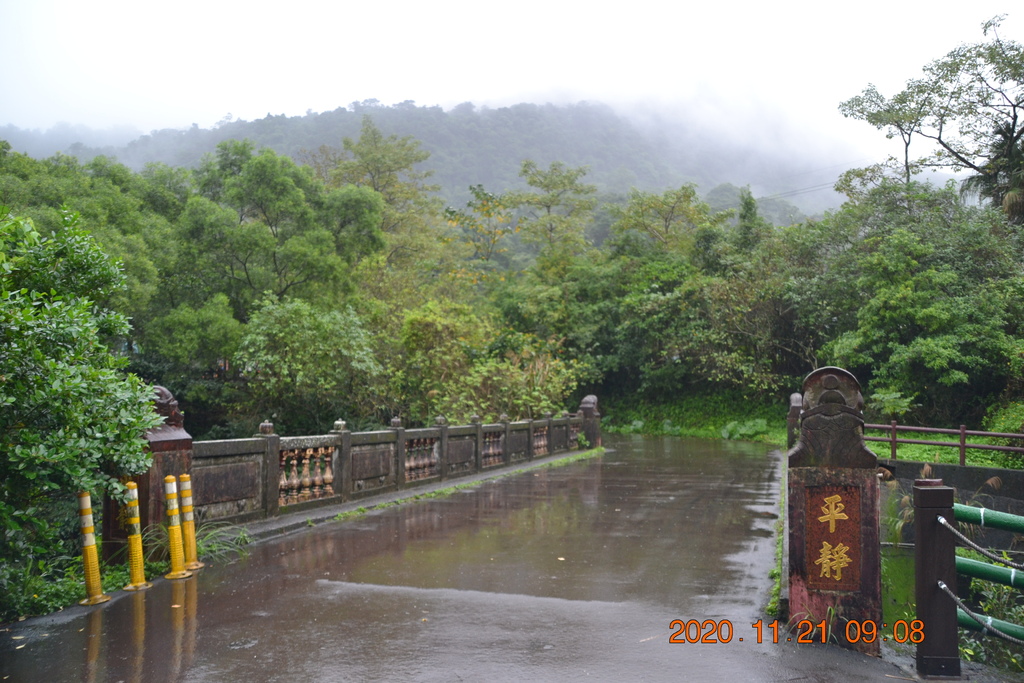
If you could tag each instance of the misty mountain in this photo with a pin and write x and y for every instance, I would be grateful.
(471, 145)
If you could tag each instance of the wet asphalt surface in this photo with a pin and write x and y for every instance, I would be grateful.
(552, 574)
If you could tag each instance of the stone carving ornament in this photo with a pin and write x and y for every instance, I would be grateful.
(832, 423)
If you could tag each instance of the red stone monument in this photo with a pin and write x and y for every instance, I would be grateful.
(171, 447)
(834, 559)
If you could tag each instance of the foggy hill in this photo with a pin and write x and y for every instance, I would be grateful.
(470, 145)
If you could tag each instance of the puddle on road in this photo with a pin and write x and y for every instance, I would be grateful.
(568, 558)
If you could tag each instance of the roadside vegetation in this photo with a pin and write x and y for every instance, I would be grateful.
(336, 283)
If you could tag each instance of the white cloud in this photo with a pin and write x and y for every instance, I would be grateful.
(155, 65)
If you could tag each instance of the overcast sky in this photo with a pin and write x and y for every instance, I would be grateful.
(171, 64)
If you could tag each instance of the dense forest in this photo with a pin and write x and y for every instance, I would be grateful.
(480, 146)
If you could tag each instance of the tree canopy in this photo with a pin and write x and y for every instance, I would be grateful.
(969, 105)
(70, 419)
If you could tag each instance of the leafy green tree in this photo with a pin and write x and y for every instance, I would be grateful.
(1002, 183)
(70, 419)
(751, 228)
(923, 332)
(226, 162)
(198, 339)
(486, 225)
(522, 383)
(969, 105)
(903, 115)
(555, 214)
(439, 341)
(418, 257)
(165, 189)
(913, 291)
(304, 367)
(672, 219)
(278, 230)
(385, 164)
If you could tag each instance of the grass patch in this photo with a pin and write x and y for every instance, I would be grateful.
(715, 415)
(898, 598)
(34, 589)
(44, 589)
(776, 573)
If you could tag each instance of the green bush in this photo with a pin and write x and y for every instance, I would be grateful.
(70, 419)
(745, 430)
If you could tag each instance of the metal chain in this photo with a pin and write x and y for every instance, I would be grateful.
(983, 551)
(985, 622)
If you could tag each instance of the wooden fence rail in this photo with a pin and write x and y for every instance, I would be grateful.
(894, 428)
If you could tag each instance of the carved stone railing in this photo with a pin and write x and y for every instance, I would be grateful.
(306, 469)
(241, 480)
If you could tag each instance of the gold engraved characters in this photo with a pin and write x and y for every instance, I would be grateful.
(833, 559)
(833, 510)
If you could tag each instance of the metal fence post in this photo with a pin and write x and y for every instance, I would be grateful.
(963, 445)
(938, 654)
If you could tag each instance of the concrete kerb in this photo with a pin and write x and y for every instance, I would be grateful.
(290, 522)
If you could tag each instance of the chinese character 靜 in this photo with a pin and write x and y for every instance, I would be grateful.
(833, 560)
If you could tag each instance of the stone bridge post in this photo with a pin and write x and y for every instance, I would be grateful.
(342, 460)
(834, 558)
(171, 448)
(399, 461)
(271, 468)
(591, 421)
(796, 401)
(442, 454)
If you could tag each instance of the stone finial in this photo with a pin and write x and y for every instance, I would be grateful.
(503, 417)
(440, 421)
(167, 407)
(832, 423)
(266, 428)
(474, 419)
(547, 415)
(339, 426)
(396, 423)
(588, 406)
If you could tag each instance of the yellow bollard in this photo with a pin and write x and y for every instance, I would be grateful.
(90, 558)
(174, 531)
(188, 524)
(136, 565)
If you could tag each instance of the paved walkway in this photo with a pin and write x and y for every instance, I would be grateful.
(550, 574)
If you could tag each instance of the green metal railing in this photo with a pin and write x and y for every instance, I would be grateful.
(1012, 575)
(937, 567)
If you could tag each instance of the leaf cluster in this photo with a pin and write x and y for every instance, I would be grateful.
(71, 419)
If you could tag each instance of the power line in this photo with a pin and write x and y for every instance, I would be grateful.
(803, 190)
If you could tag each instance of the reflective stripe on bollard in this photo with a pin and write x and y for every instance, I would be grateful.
(90, 558)
(178, 570)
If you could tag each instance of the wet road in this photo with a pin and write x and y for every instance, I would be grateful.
(548, 575)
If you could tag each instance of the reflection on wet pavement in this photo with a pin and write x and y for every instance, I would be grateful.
(545, 575)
